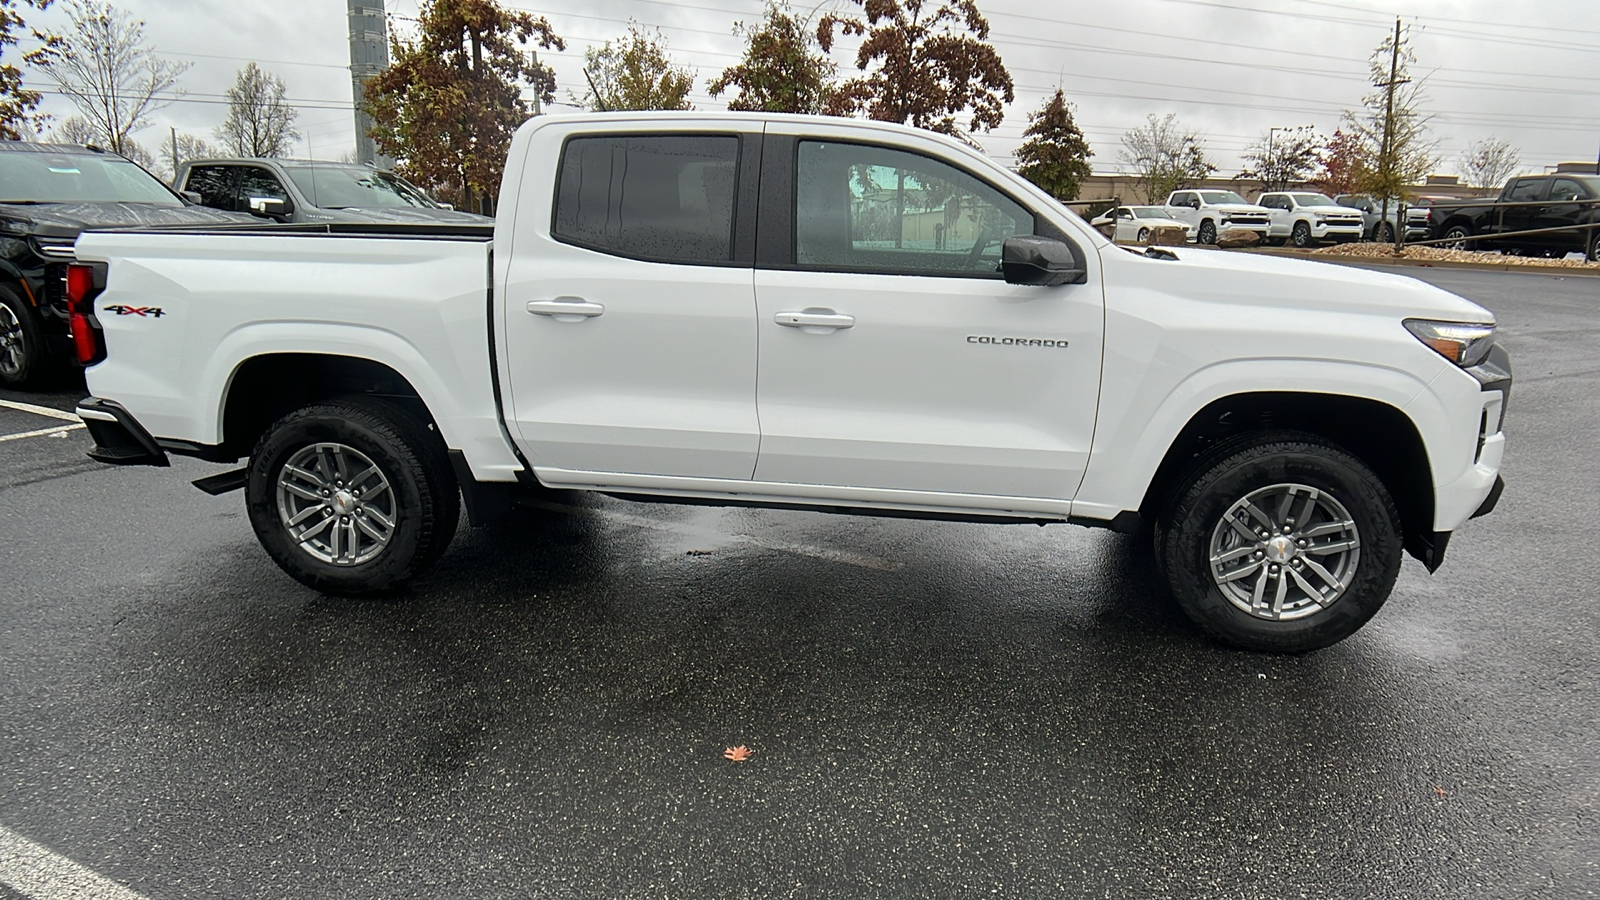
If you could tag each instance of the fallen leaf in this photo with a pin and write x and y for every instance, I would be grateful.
(1440, 791)
(737, 754)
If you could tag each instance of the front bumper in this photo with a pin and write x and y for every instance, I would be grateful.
(119, 439)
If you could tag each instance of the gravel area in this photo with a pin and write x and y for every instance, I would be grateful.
(1386, 251)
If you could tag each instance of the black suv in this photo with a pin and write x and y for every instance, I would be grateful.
(48, 194)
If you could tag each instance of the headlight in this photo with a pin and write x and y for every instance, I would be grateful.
(1463, 343)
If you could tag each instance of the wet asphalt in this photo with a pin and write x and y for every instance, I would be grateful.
(933, 709)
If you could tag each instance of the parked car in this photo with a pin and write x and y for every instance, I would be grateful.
(1207, 214)
(1305, 218)
(48, 194)
(1563, 202)
(1133, 223)
(968, 349)
(1383, 231)
(300, 190)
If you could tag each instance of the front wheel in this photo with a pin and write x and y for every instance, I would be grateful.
(1301, 235)
(1144, 235)
(353, 496)
(1280, 543)
(1208, 232)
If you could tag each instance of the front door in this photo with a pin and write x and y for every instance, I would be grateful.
(894, 356)
(630, 312)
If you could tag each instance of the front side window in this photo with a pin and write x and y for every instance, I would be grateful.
(866, 208)
(1567, 189)
(1217, 198)
(664, 198)
(1313, 200)
(257, 183)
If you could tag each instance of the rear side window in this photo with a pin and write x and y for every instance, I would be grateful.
(663, 198)
(214, 184)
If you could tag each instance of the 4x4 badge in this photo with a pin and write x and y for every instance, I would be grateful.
(152, 311)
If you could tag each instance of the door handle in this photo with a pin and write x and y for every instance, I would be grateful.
(566, 309)
(815, 320)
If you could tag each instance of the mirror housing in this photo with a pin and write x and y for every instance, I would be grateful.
(268, 207)
(193, 197)
(1030, 259)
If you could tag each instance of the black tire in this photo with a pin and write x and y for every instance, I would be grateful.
(1144, 235)
(1191, 526)
(1383, 234)
(22, 347)
(1301, 235)
(419, 498)
(1207, 233)
(1456, 232)
(1592, 254)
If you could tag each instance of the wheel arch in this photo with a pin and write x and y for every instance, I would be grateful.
(1379, 434)
(264, 388)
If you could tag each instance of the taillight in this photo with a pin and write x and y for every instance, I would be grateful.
(88, 344)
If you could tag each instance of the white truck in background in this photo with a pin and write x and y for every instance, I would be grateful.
(1210, 213)
(787, 311)
(1307, 218)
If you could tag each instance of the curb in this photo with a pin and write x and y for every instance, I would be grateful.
(1583, 272)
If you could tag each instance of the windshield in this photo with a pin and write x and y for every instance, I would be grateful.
(1148, 212)
(1314, 200)
(1214, 198)
(337, 187)
(77, 178)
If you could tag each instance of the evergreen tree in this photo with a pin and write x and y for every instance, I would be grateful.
(1055, 155)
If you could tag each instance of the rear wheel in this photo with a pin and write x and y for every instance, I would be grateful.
(352, 496)
(1455, 234)
(1280, 543)
(22, 357)
(1592, 254)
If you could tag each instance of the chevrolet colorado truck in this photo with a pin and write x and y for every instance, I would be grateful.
(804, 313)
(1550, 215)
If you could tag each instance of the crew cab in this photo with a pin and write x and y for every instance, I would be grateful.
(1305, 218)
(1380, 225)
(1210, 213)
(804, 313)
(1550, 215)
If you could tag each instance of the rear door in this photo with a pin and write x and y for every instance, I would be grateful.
(629, 313)
(893, 355)
(1565, 212)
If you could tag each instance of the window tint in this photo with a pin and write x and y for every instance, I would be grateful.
(868, 208)
(213, 184)
(667, 198)
(1528, 189)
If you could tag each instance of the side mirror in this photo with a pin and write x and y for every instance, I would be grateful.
(268, 207)
(447, 206)
(193, 197)
(1030, 259)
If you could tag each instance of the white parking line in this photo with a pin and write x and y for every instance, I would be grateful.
(831, 555)
(35, 871)
(59, 429)
(39, 410)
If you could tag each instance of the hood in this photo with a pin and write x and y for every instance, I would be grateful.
(1249, 279)
(398, 214)
(1241, 208)
(68, 219)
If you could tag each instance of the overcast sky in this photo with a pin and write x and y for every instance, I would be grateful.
(1520, 70)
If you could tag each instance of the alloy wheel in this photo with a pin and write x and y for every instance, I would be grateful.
(336, 504)
(1284, 552)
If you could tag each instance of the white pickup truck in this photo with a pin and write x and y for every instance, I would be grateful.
(812, 313)
(1209, 214)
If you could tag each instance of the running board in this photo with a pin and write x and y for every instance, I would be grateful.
(221, 484)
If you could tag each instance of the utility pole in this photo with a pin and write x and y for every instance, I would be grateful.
(174, 131)
(369, 55)
(1386, 146)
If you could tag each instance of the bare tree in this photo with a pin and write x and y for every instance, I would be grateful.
(1164, 156)
(109, 72)
(259, 123)
(1489, 163)
(81, 131)
(1283, 161)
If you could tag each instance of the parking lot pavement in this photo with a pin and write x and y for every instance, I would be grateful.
(934, 709)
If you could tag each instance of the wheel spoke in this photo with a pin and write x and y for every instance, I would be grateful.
(365, 522)
(1335, 547)
(379, 516)
(1307, 508)
(305, 514)
(333, 540)
(1324, 574)
(1305, 585)
(1261, 587)
(365, 474)
(314, 530)
(1243, 529)
(1328, 528)
(1232, 555)
(1259, 516)
(305, 475)
(1277, 600)
(1241, 572)
(302, 492)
